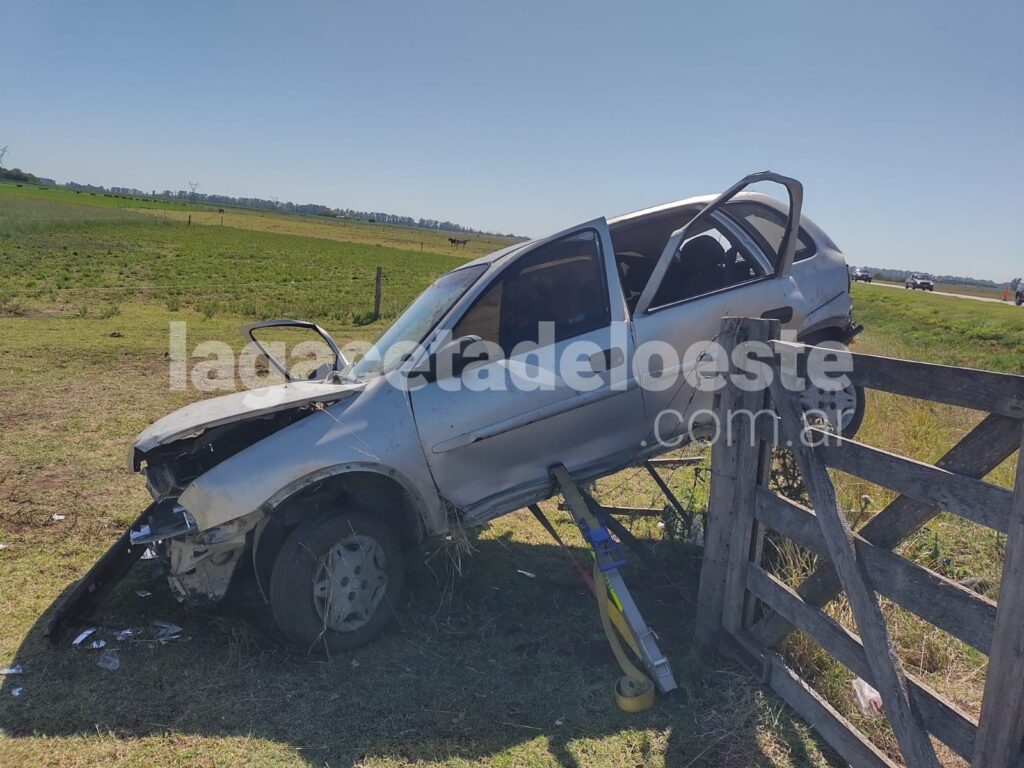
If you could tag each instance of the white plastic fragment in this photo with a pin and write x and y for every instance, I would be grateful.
(17, 691)
(2, 545)
(95, 645)
(82, 635)
(126, 634)
(869, 701)
(108, 660)
(58, 517)
(15, 670)
(526, 573)
(142, 593)
(166, 630)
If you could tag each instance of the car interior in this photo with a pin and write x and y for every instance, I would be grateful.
(707, 261)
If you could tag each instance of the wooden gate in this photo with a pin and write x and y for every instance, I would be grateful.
(745, 609)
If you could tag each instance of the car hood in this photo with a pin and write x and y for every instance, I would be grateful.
(238, 406)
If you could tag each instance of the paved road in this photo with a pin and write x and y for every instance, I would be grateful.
(946, 293)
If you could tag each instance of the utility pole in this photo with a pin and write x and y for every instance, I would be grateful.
(193, 185)
(3, 151)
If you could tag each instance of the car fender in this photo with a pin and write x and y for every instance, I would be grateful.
(373, 431)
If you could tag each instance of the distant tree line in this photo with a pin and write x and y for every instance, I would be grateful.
(308, 209)
(16, 174)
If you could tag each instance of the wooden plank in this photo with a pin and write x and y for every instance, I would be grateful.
(952, 608)
(972, 499)
(1000, 393)
(1001, 725)
(983, 449)
(717, 536)
(823, 718)
(751, 467)
(949, 724)
(678, 461)
(892, 686)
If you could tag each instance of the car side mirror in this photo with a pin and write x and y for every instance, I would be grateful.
(451, 358)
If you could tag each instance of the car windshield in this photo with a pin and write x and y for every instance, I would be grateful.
(413, 325)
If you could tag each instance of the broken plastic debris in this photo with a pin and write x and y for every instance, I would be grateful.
(81, 637)
(355, 662)
(15, 670)
(166, 630)
(143, 593)
(526, 573)
(868, 699)
(95, 645)
(17, 691)
(142, 533)
(2, 545)
(58, 517)
(126, 634)
(149, 554)
(108, 660)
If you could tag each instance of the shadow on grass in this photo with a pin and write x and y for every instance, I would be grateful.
(479, 663)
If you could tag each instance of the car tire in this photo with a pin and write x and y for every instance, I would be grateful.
(350, 555)
(826, 402)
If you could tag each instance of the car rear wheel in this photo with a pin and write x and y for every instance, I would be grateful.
(842, 410)
(336, 582)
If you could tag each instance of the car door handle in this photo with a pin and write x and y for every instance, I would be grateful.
(606, 359)
(782, 314)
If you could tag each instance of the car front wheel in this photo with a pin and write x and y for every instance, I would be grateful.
(337, 581)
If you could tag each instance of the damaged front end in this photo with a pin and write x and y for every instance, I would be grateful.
(199, 559)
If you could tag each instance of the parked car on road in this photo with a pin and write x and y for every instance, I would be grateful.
(328, 483)
(918, 281)
(860, 274)
(1018, 292)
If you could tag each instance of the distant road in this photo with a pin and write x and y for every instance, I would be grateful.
(946, 293)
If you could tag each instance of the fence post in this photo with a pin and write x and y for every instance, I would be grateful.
(736, 464)
(376, 295)
(1001, 724)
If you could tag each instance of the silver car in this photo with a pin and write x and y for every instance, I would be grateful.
(329, 481)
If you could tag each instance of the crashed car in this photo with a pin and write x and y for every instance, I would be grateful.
(329, 481)
(919, 282)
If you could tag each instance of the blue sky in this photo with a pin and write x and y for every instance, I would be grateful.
(904, 120)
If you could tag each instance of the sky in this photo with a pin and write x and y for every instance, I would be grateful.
(904, 120)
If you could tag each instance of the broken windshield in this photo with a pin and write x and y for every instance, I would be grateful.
(413, 325)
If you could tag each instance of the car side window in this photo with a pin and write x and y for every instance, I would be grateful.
(562, 282)
(710, 259)
(768, 226)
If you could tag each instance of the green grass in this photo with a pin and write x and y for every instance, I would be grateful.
(487, 665)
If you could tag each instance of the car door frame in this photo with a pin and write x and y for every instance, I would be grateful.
(786, 250)
(619, 318)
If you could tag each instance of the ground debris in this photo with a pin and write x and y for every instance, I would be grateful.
(82, 636)
(109, 660)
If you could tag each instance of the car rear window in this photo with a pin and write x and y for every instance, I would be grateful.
(767, 226)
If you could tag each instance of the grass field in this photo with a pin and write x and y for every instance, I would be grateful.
(488, 665)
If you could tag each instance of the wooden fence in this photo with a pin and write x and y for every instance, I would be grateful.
(744, 608)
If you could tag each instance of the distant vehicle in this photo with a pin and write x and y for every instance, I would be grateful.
(1018, 294)
(923, 282)
(860, 274)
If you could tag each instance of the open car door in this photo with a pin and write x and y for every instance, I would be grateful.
(710, 268)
